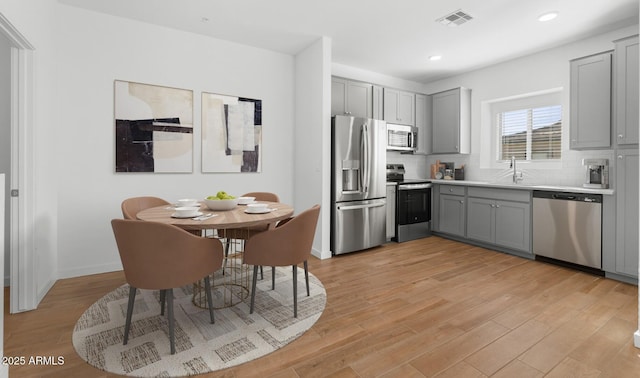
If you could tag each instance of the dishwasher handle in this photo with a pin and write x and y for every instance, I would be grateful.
(562, 196)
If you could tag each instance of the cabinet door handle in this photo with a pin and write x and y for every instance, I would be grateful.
(461, 201)
(620, 136)
(619, 157)
(497, 205)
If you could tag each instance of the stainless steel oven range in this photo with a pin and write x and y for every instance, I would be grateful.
(413, 210)
(413, 205)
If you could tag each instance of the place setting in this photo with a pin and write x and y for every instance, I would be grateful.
(258, 208)
(189, 208)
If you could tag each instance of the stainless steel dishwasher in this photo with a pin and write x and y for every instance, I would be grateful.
(568, 227)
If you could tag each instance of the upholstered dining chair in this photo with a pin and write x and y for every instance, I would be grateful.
(289, 244)
(244, 234)
(157, 256)
(131, 206)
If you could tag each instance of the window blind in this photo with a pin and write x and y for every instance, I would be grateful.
(530, 134)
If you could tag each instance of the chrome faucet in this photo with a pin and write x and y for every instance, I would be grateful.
(517, 176)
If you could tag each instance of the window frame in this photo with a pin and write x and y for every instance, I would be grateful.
(550, 97)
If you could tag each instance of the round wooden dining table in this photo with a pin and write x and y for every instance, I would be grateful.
(230, 284)
(220, 220)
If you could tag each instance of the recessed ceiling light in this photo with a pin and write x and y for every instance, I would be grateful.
(548, 16)
(433, 58)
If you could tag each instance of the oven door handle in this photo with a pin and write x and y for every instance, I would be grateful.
(358, 207)
(414, 186)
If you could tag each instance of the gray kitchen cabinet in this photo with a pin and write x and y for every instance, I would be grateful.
(626, 91)
(590, 102)
(378, 102)
(423, 123)
(391, 211)
(626, 187)
(352, 98)
(452, 213)
(451, 121)
(399, 107)
(502, 223)
(500, 217)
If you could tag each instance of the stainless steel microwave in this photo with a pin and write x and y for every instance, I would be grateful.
(401, 137)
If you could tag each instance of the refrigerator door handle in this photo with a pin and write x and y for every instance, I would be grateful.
(357, 207)
(365, 158)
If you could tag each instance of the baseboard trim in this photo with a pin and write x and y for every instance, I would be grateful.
(89, 270)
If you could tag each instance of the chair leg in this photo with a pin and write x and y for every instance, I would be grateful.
(127, 324)
(261, 273)
(253, 287)
(306, 275)
(207, 287)
(295, 291)
(172, 341)
(273, 278)
(163, 296)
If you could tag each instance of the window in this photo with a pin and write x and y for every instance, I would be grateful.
(530, 134)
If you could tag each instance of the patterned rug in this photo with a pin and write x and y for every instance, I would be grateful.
(201, 347)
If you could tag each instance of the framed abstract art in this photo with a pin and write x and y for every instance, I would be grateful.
(231, 133)
(153, 127)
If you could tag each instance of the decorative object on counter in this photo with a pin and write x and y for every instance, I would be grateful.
(154, 128)
(231, 133)
(447, 171)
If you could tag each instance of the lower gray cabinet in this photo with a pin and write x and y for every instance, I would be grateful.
(391, 211)
(503, 223)
(452, 214)
(627, 212)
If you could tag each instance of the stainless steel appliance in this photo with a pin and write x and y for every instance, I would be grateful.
(402, 137)
(413, 205)
(413, 211)
(597, 173)
(358, 217)
(567, 227)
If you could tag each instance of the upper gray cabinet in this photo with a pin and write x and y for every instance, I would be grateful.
(352, 98)
(590, 125)
(626, 91)
(451, 122)
(399, 107)
(423, 123)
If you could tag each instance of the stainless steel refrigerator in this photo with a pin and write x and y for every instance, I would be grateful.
(358, 217)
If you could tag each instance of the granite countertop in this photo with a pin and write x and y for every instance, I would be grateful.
(555, 188)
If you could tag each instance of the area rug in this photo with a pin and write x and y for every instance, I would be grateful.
(235, 337)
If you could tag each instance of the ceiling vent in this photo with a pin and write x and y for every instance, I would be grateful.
(456, 18)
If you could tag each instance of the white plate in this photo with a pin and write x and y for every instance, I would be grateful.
(196, 214)
(258, 211)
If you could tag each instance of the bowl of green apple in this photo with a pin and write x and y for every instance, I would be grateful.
(221, 201)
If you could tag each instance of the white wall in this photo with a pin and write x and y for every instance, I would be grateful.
(312, 155)
(96, 49)
(5, 141)
(537, 72)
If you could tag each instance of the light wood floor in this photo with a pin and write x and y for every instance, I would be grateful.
(431, 307)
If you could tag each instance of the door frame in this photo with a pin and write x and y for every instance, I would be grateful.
(23, 295)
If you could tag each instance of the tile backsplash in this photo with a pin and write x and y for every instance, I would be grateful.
(570, 172)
